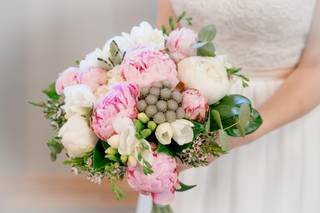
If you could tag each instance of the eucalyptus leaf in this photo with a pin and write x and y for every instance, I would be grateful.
(207, 50)
(216, 115)
(199, 44)
(207, 33)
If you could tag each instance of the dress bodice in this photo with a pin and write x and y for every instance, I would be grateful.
(255, 34)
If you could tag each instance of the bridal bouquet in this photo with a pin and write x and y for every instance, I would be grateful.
(147, 102)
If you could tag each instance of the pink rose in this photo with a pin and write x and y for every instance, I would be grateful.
(94, 77)
(179, 44)
(194, 104)
(67, 78)
(120, 102)
(144, 66)
(161, 184)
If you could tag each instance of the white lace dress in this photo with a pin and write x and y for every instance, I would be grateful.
(279, 173)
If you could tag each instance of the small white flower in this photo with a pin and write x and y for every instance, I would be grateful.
(77, 137)
(79, 100)
(206, 74)
(126, 139)
(146, 154)
(164, 133)
(114, 141)
(182, 131)
(145, 35)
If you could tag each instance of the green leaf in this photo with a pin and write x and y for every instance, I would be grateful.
(207, 50)
(116, 55)
(171, 23)
(233, 70)
(50, 91)
(55, 147)
(244, 115)
(198, 128)
(207, 33)
(99, 160)
(182, 15)
(254, 123)
(164, 149)
(184, 187)
(77, 62)
(223, 139)
(199, 44)
(164, 30)
(105, 145)
(216, 115)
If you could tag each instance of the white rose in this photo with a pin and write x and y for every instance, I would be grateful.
(79, 100)
(91, 60)
(182, 131)
(206, 74)
(77, 137)
(145, 35)
(164, 133)
(125, 139)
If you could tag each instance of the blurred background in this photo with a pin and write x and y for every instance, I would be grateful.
(39, 39)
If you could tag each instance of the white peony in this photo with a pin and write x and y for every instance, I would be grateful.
(77, 137)
(206, 74)
(125, 138)
(79, 100)
(182, 131)
(91, 60)
(164, 133)
(145, 35)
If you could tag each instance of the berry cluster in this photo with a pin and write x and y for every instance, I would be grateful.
(161, 102)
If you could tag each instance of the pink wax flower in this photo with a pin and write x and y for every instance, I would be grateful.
(161, 184)
(120, 102)
(194, 104)
(70, 76)
(179, 44)
(94, 77)
(144, 66)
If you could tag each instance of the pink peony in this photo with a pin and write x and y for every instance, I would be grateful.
(67, 78)
(94, 77)
(161, 184)
(194, 104)
(120, 102)
(144, 66)
(179, 44)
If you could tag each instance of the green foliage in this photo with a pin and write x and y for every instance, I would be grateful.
(99, 160)
(50, 92)
(77, 62)
(234, 71)
(164, 149)
(174, 24)
(207, 50)
(184, 187)
(237, 117)
(55, 147)
(207, 33)
(198, 129)
(52, 107)
(120, 195)
(204, 45)
(115, 54)
(80, 162)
